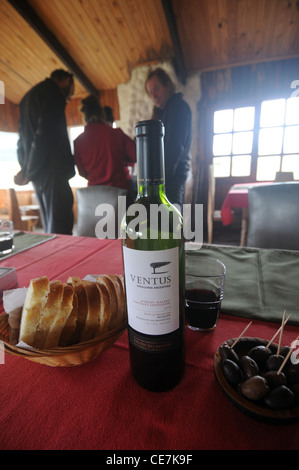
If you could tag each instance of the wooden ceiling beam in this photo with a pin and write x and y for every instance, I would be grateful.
(27, 12)
(179, 62)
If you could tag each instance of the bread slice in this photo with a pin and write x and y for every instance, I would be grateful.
(104, 313)
(71, 323)
(58, 321)
(105, 281)
(35, 300)
(48, 313)
(77, 284)
(121, 298)
(93, 309)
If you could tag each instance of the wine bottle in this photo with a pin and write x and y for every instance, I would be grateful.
(153, 256)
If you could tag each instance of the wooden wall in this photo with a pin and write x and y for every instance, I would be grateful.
(9, 112)
(9, 116)
(107, 98)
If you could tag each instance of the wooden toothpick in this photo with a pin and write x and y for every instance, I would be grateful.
(245, 329)
(286, 358)
(281, 330)
(272, 339)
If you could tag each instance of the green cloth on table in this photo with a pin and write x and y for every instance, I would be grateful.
(24, 240)
(259, 283)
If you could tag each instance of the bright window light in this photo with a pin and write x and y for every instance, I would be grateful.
(244, 119)
(74, 132)
(291, 163)
(238, 140)
(242, 142)
(223, 121)
(291, 139)
(241, 165)
(77, 181)
(221, 166)
(9, 165)
(267, 167)
(222, 144)
(270, 141)
(292, 111)
(272, 113)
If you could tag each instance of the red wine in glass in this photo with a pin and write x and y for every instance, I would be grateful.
(6, 243)
(202, 309)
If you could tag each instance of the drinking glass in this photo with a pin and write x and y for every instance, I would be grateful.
(6, 236)
(204, 293)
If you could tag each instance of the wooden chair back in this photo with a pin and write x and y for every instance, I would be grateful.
(21, 222)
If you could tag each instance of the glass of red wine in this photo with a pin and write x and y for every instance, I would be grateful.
(204, 293)
(6, 236)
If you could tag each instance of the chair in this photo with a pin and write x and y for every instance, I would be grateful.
(274, 216)
(88, 199)
(282, 176)
(212, 214)
(21, 222)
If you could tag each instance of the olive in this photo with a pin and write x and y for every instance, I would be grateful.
(274, 362)
(274, 379)
(260, 354)
(295, 390)
(292, 373)
(284, 350)
(227, 353)
(249, 367)
(232, 372)
(254, 388)
(279, 398)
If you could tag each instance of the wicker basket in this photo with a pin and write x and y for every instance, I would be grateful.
(74, 355)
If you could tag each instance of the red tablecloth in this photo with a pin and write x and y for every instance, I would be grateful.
(99, 405)
(236, 197)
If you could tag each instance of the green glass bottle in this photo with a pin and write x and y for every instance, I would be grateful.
(153, 256)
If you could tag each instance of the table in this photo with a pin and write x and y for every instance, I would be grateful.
(237, 197)
(99, 405)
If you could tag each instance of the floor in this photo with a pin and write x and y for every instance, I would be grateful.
(226, 236)
(230, 234)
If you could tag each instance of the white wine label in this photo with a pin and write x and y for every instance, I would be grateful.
(152, 290)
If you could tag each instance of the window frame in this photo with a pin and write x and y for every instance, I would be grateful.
(257, 104)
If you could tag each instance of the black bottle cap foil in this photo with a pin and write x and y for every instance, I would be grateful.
(150, 151)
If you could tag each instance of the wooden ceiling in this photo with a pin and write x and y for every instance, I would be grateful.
(101, 41)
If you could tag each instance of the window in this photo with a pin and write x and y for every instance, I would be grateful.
(77, 181)
(73, 134)
(278, 140)
(241, 137)
(9, 164)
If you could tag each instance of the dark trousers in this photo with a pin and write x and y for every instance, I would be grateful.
(55, 198)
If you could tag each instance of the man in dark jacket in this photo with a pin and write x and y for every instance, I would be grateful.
(176, 115)
(44, 151)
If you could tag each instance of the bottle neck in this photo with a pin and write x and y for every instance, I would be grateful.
(150, 159)
(150, 166)
(151, 190)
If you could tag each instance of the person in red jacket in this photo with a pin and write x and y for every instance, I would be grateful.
(101, 152)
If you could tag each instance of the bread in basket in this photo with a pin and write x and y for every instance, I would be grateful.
(66, 324)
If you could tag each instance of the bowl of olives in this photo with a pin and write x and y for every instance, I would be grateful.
(249, 375)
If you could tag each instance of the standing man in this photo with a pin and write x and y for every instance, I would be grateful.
(175, 113)
(44, 150)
